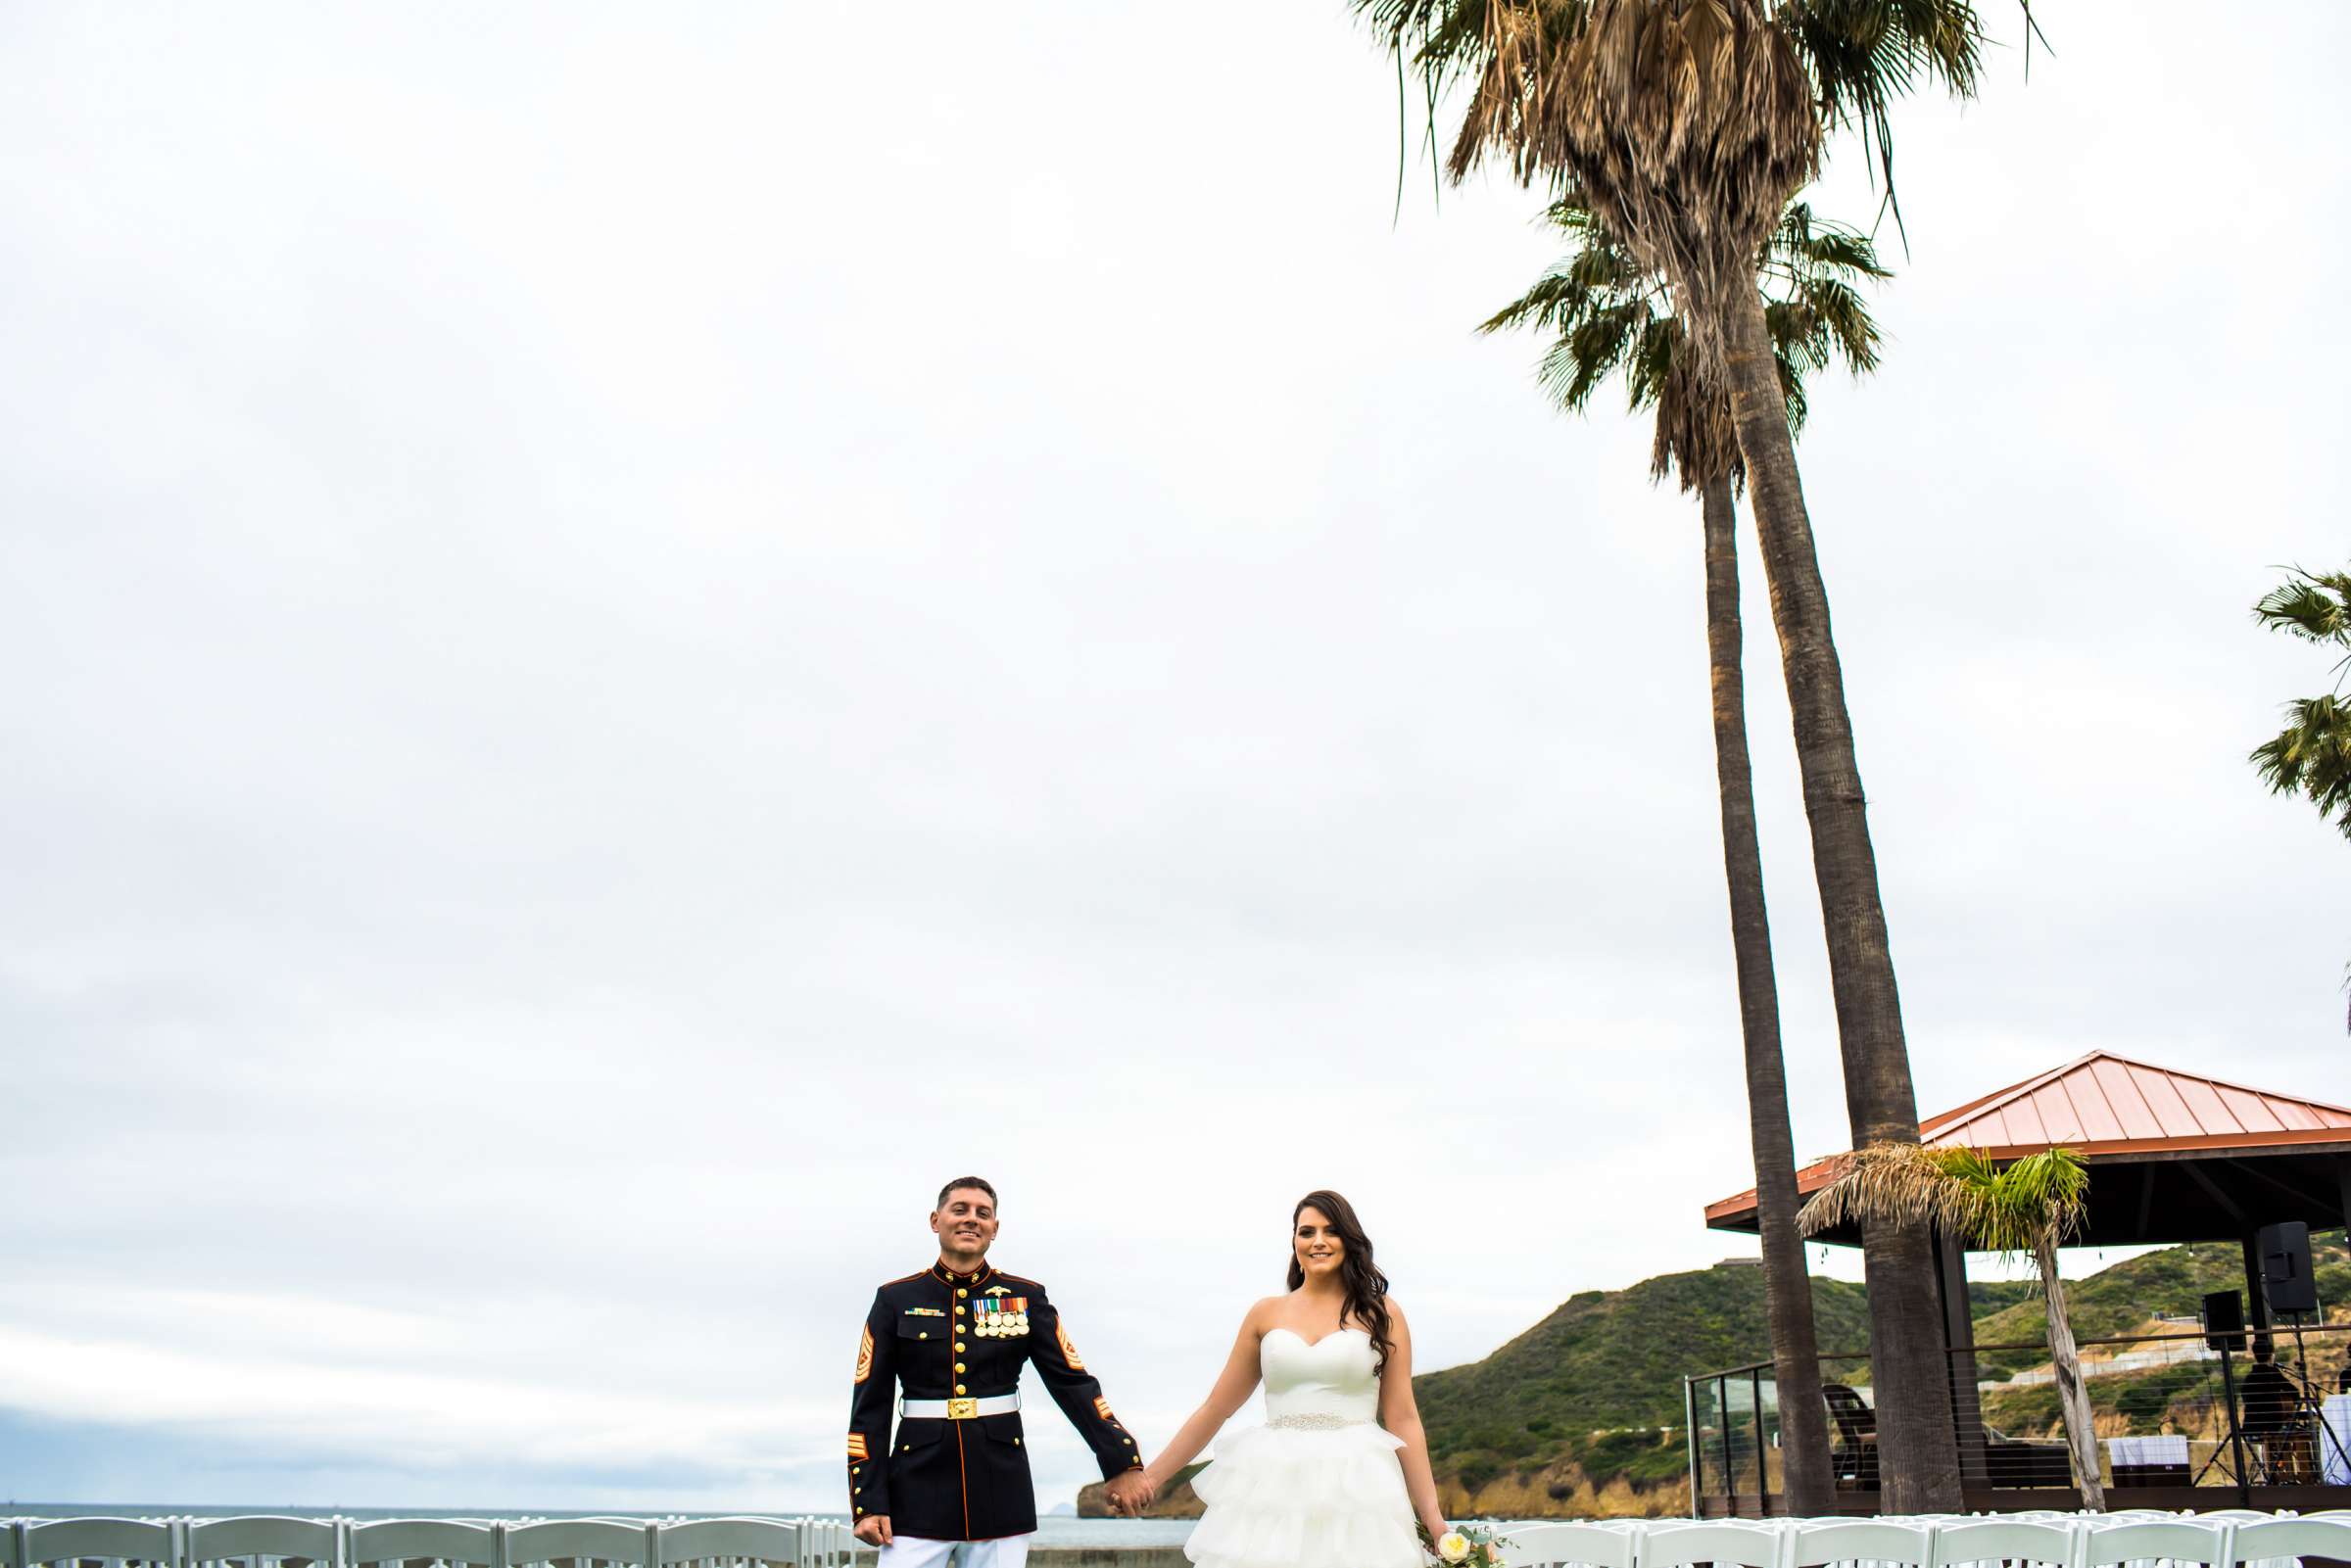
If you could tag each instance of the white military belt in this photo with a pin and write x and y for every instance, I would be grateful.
(959, 1410)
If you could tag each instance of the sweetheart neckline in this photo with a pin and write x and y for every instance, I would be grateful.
(1284, 1328)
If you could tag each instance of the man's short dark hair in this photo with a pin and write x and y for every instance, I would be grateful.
(966, 1181)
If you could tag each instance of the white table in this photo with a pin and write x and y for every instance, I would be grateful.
(2334, 1413)
(2169, 1447)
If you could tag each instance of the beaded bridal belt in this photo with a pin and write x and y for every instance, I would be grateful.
(1315, 1422)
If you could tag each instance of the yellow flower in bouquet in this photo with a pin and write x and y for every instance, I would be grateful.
(1452, 1546)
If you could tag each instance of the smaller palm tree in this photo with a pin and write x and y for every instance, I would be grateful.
(2027, 1209)
(1608, 316)
(2312, 754)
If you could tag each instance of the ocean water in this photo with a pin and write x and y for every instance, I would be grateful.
(1057, 1530)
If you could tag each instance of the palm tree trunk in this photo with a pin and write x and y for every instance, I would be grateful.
(1806, 1479)
(2081, 1434)
(1917, 1448)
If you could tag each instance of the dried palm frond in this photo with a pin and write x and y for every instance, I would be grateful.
(1891, 1184)
(1859, 58)
(2027, 1207)
(1687, 124)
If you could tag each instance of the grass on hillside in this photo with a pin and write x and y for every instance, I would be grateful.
(1590, 1400)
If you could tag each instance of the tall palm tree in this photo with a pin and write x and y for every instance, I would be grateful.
(2312, 754)
(2027, 1207)
(1687, 125)
(1608, 316)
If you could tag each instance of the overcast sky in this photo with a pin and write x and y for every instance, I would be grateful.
(637, 636)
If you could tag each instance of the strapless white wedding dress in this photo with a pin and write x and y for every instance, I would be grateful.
(1319, 1485)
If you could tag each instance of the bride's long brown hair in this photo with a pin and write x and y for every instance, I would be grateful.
(1366, 1287)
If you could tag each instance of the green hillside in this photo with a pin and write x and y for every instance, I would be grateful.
(1582, 1413)
(2117, 1299)
(1592, 1396)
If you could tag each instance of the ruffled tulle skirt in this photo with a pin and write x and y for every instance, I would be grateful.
(1306, 1497)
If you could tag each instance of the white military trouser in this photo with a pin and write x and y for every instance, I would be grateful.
(914, 1552)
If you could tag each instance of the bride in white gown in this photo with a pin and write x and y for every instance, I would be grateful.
(1338, 1475)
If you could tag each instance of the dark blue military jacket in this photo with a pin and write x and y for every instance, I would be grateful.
(945, 1336)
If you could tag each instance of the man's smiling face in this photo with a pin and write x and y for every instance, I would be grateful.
(966, 1223)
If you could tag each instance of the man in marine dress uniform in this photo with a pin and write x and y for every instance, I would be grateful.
(956, 1335)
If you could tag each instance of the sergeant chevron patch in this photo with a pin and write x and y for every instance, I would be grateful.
(1067, 1349)
(865, 1354)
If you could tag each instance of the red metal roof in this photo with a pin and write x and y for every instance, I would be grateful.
(2107, 1098)
(2103, 1104)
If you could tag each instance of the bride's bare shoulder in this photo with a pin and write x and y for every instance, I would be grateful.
(1264, 1313)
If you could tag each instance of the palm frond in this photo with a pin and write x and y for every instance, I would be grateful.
(1841, 325)
(1893, 1183)
(2311, 757)
(2037, 1201)
(2315, 606)
(2013, 1210)
(1594, 348)
(1587, 300)
(1865, 54)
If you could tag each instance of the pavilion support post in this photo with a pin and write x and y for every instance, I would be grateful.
(1698, 1474)
(1959, 1346)
(2257, 1299)
(2342, 1172)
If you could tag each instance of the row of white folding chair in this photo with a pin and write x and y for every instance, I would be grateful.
(2093, 1541)
(262, 1539)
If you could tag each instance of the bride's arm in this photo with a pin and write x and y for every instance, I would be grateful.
(1232, 1389)
(1402, 1416)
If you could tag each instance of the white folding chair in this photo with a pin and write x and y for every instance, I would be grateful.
(1587, 1545)
(581, 1541)
(2171, 1540)
(739, 1542)
(261, 1541)
(2006, 1539)
(2310, 1535)
(1729, 1545)
(1904, 1542)
(441, 1542)
(115, 1541)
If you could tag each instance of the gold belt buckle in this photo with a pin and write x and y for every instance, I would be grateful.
(963, 1410)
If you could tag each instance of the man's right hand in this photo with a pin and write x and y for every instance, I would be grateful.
(873, 1529)
(1130, 1493)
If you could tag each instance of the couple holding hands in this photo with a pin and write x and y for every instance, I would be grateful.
(1337, 1475)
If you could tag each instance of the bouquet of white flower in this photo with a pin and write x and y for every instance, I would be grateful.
(1466, 1547)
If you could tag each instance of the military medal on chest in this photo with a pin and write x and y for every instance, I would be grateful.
(1003, 1318)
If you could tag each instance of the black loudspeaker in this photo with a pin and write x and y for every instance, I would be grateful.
(2286, 1267)
(2224, 1320)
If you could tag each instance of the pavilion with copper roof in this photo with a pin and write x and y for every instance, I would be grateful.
(2174, 1157)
